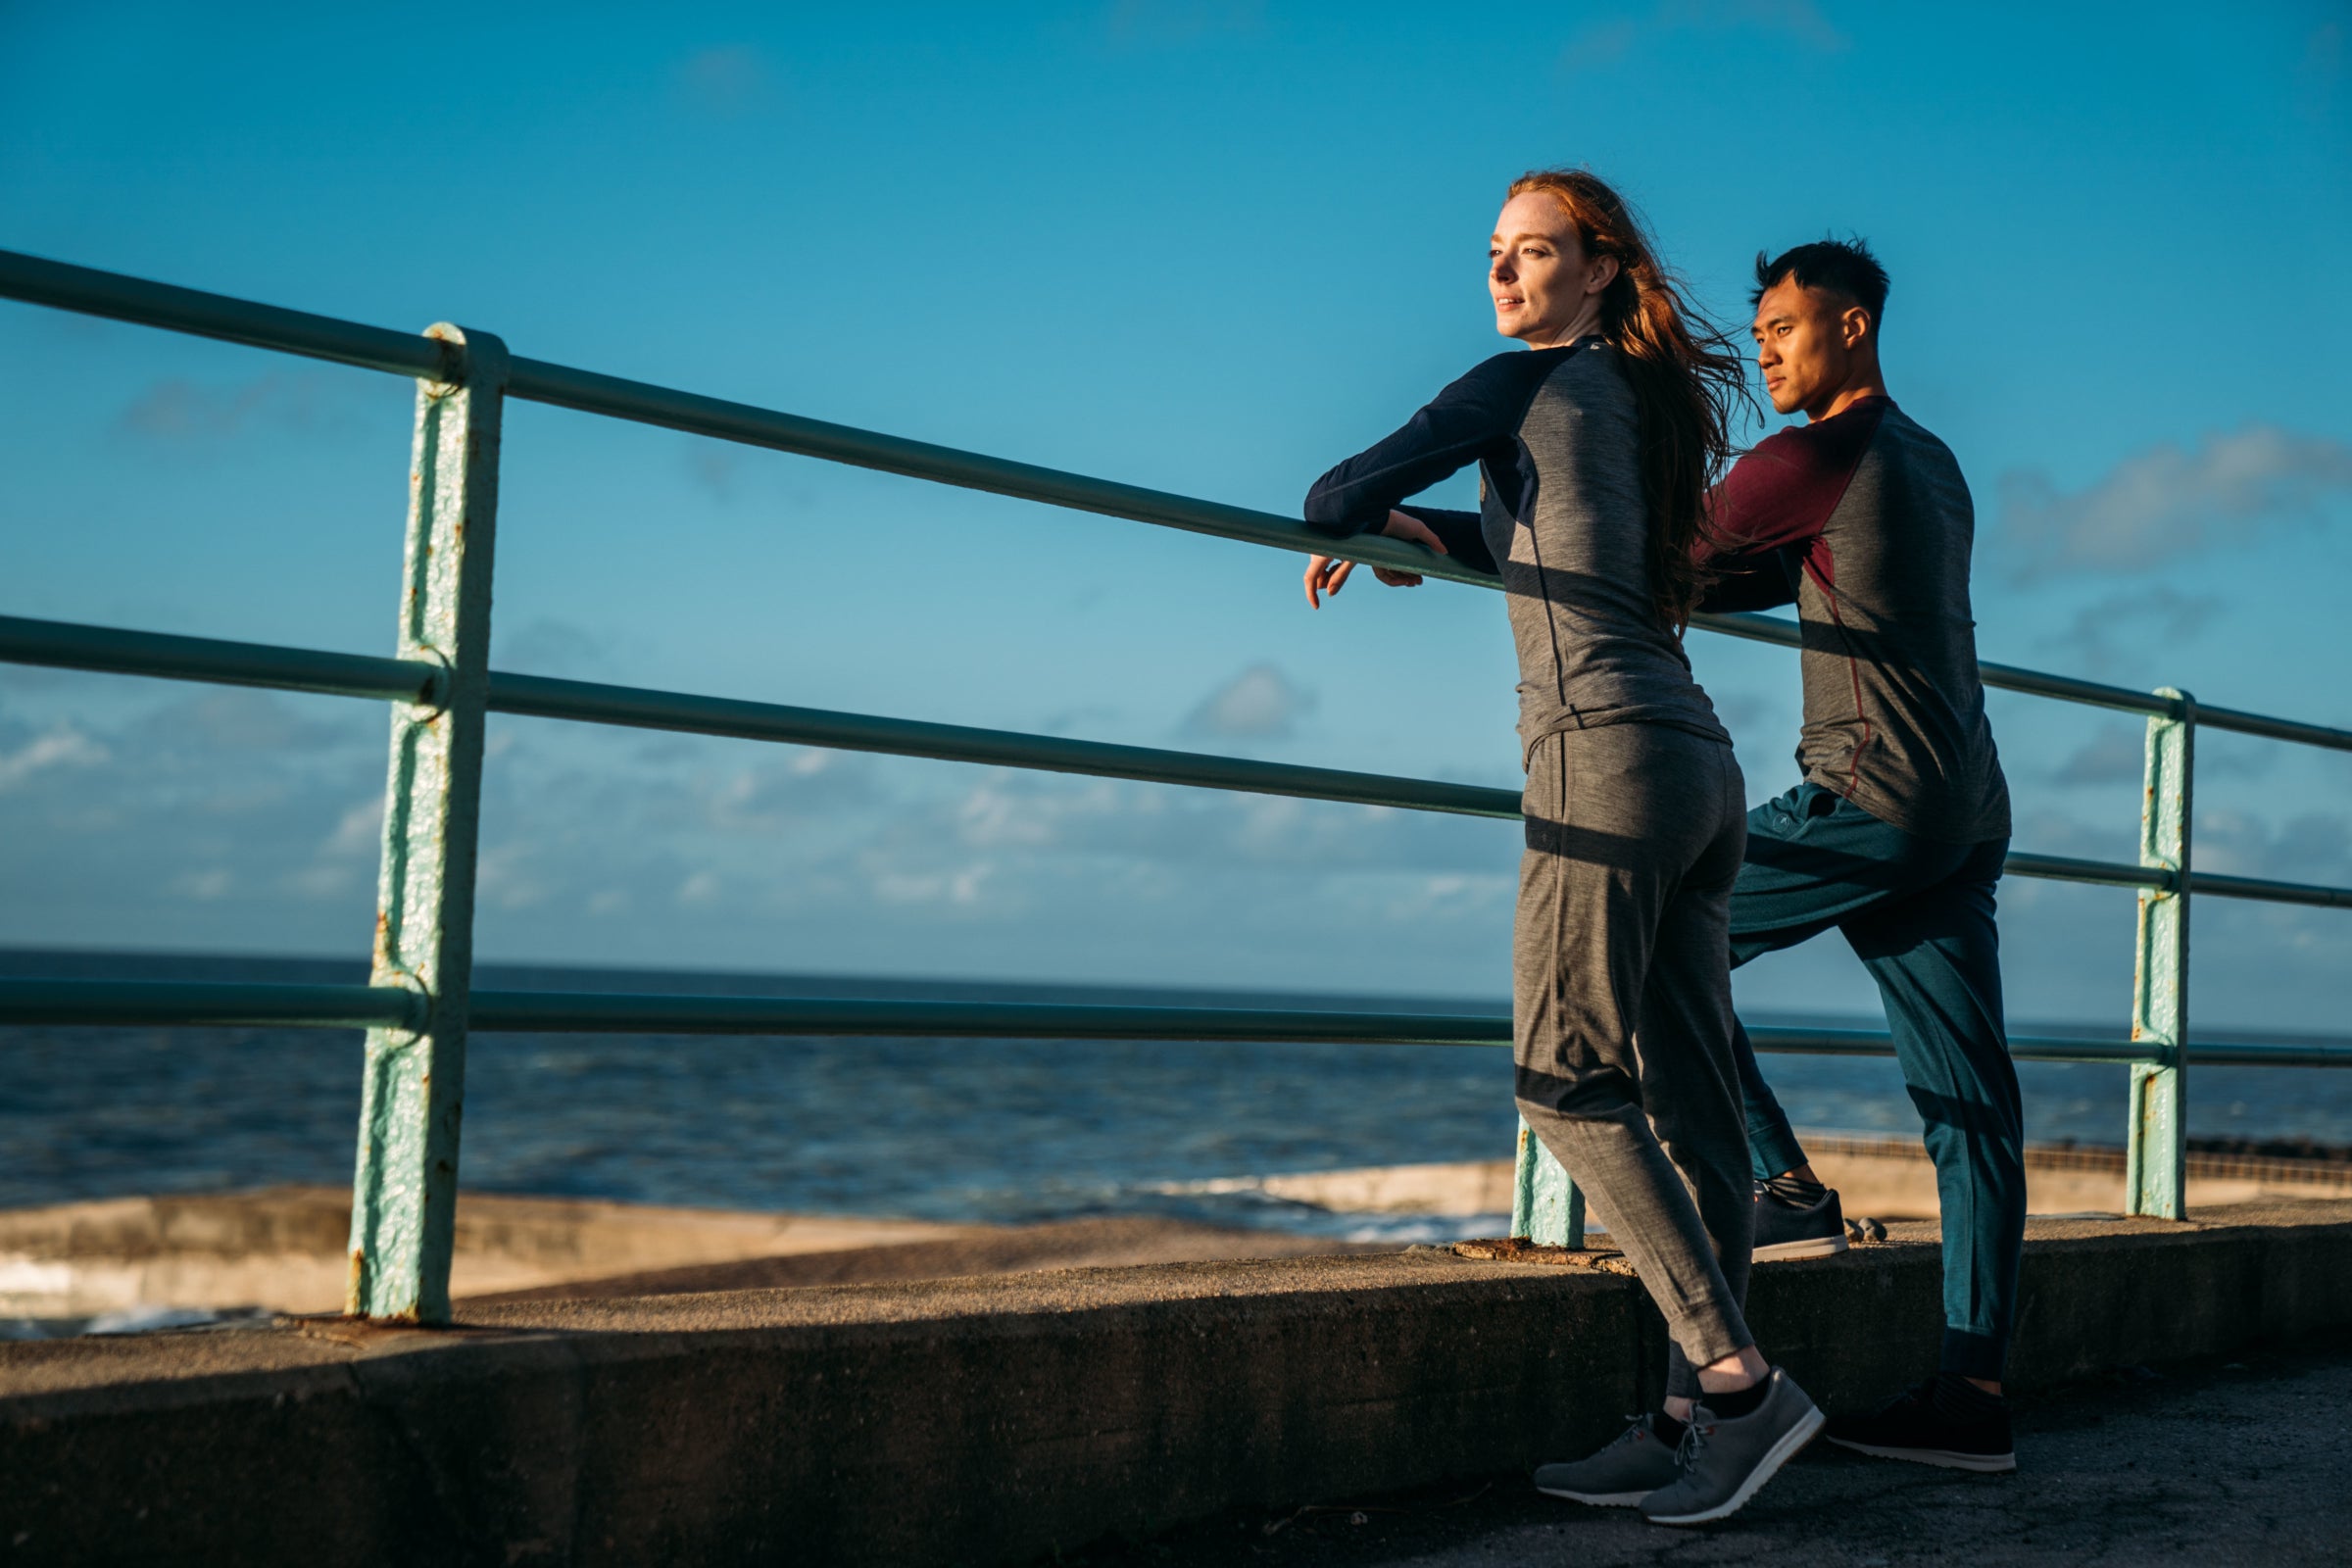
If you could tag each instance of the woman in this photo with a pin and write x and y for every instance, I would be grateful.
(1595, 449)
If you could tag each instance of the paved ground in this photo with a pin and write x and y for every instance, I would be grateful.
(2211, 1464)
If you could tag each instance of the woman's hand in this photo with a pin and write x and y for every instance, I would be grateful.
(1326, 575)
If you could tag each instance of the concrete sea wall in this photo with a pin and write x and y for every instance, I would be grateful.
(998, 1419)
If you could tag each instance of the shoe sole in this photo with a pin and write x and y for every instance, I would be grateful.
(1598, 1499)
(1943, 1458)
(1779, 1455)
(1812, 1247)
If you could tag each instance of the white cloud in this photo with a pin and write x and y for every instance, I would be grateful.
(207, 886)
(961, 886)
(2312, 846)
(359, 832)
(549, 646)
(62, 747)
(1181, 23)
(178, 411)
(2134, 625)
(727, 80)
(1259, 704)
(1606, 41)
(2112, 754)
(2168, 502)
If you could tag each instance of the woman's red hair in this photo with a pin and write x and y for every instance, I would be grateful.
(1686, 380)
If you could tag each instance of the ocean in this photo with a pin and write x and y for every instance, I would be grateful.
(1005, 1131)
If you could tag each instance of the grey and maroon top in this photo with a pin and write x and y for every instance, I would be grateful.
(1863, 522)
(1560, 519)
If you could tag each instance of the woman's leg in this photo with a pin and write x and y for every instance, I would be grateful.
(1691, 1083)
(1617, 817)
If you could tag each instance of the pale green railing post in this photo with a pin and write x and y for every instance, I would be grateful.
(2156, 1172)
(1545, 1207)
(404, 1191)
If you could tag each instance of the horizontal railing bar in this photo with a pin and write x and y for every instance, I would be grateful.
(113, 649)
(2276, 729)
(2065, 868)
(644, 403)
(2009, 677)
(2214, 885)
(1873, 1042)
(113, 294)
(92, 292)
(2066, 688)
(543, 697)
(110, 650)
(207, 1002)
(177, 1001)
(2062, 868)
(2267, 1053)
(590, 1012)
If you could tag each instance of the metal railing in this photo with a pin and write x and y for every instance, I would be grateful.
(419, 1004)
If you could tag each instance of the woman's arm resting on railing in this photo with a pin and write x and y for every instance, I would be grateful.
(1473, 417)
(1328, 575)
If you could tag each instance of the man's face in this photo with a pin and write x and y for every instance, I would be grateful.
(1805, 342)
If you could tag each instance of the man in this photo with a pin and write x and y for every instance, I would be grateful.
(1896, 836)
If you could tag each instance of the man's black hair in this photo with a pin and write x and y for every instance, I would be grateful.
(1837, 266)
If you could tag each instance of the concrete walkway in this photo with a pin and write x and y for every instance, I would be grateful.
(2244, 1462)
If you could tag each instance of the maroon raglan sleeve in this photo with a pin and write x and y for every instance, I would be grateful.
(1768, 511)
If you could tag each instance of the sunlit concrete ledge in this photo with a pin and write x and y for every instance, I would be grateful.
(996, 1419)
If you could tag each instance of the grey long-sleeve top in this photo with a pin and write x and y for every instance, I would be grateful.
(1560, 519)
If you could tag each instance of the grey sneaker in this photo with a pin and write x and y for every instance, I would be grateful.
(1725, 1462)
(1620, 1475)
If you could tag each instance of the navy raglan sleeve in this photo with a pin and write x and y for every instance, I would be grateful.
(1473, 417)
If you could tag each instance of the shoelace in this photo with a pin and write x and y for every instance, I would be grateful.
(1686, 1452)
(1636, 1427)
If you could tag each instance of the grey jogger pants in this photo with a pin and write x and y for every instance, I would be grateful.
(1622, 1009)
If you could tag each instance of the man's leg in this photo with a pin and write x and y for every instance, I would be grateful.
(1936, 959)
(1812, 862)
(1773, 1147)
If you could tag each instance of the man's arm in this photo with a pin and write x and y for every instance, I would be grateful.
(1753, 581)
(1764, 520)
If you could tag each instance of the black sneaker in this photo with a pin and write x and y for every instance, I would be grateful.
(1945, 1421)
(1792, 1222)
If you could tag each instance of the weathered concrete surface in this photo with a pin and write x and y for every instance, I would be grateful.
(287, 1247)
(2236, 1464)
(1112, 1242)
(984, 1420)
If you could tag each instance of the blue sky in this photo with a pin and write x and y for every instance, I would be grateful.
(1206, 247)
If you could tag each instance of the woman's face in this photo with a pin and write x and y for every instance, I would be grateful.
(1543, 283)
